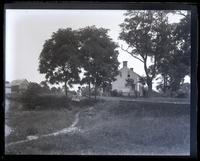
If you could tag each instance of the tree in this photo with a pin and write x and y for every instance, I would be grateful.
(59, 59)
(183, 43)
(146, 32)
(98, 56)
(175, 65)
(87, 79)
(166, 47)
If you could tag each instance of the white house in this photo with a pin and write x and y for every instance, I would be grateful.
(121, 85)
(19, 86)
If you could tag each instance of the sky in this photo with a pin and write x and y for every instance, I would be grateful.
(27, 30)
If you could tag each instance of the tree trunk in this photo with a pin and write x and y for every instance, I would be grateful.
(149, 83)
(164, 84)
(65, 88)
(89, 90)
(149, 79)
(150, 90)
(95, 92)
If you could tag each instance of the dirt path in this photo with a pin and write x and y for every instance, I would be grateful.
(71, 129)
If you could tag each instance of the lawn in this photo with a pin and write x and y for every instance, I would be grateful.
(105, 128)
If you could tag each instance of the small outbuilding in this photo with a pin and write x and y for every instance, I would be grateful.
(19, 86)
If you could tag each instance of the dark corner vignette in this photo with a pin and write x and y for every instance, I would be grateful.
(105, 80)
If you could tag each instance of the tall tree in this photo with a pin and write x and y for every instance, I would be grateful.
(59, 59)
(146, 32)
(175, 65)
(99, 57)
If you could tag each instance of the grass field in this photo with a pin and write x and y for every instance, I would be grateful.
(105, 128)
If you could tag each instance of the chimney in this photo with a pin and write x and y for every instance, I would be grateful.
(131, 69)
(124, 64)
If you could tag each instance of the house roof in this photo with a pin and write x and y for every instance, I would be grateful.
(131, 71)
(19, 82)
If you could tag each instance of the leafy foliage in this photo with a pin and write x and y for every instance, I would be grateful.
(146, 33)
(59, 58)
(115, 93)
(175, 65)
(34, 96)
(98, 56)
(67, 51)
(149, 35)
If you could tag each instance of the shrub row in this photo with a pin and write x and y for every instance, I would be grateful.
(115, 93)
(45, 100)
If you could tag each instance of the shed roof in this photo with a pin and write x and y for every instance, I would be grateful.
(19, 82)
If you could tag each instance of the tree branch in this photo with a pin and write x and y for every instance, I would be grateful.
(180, 13)
(132, 54)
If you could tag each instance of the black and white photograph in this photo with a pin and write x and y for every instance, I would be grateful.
(97, 82)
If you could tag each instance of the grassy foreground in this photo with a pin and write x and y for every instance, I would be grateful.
(107, 128)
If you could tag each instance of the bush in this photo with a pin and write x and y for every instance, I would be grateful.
(30, 96)
(181, 95)
(53, 101)
(30, 100)
(46, 101)
(93, 92)
(137, 94)
(34, 97)
(115, 93)
(86, 102)
(85, 91)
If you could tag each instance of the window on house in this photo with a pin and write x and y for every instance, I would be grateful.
(133, 86)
